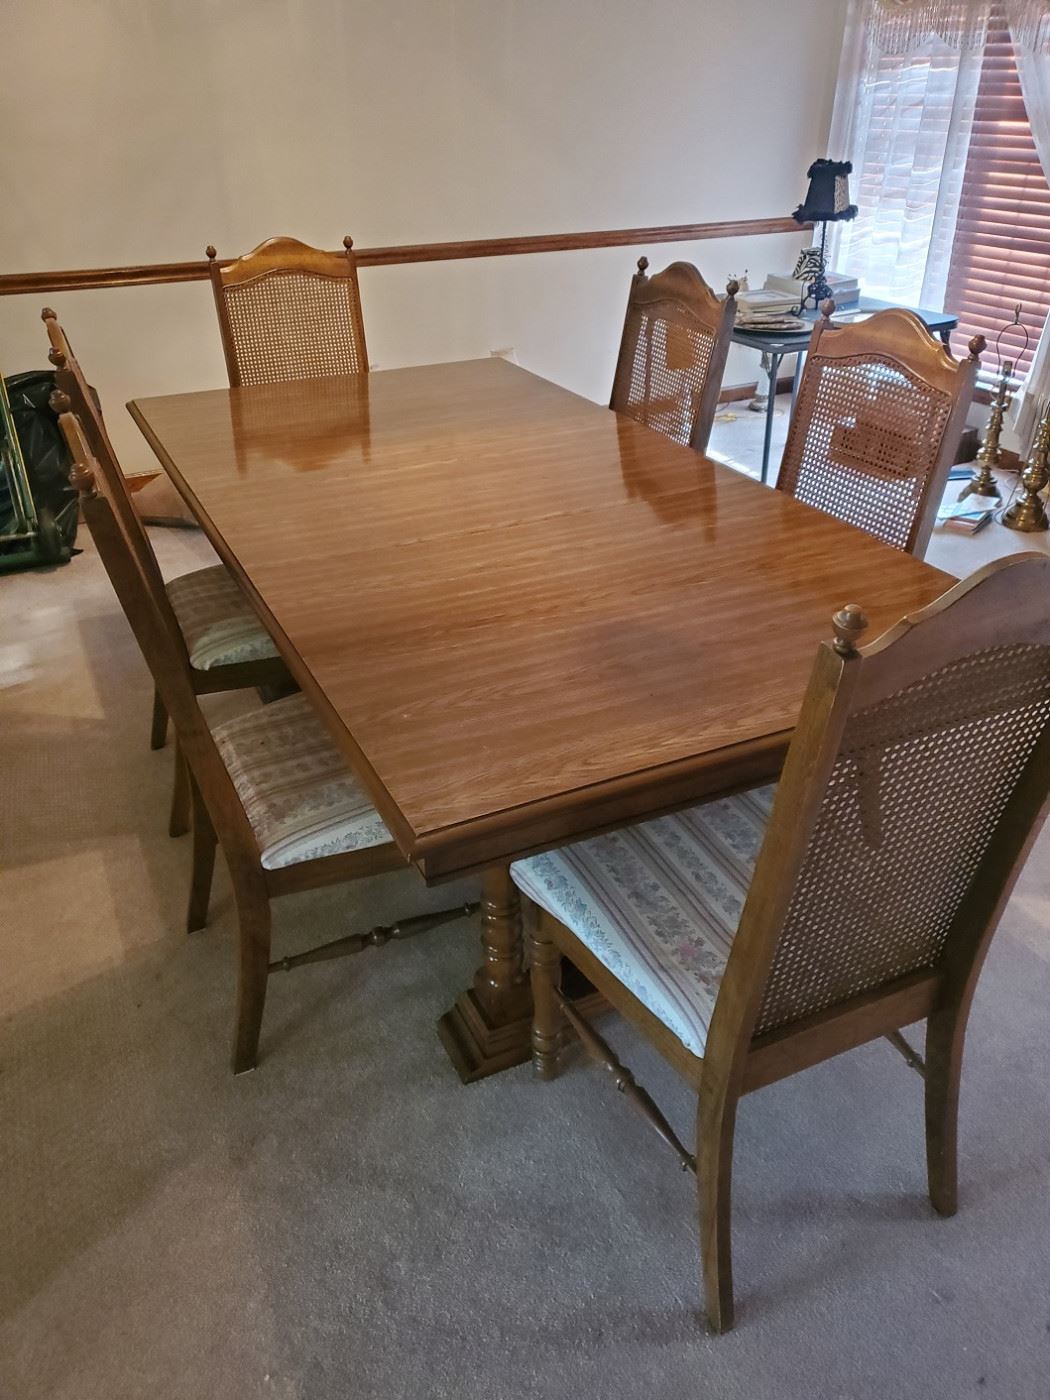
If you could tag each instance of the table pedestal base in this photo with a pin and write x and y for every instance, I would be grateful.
(478, 1046)
(489, 1029)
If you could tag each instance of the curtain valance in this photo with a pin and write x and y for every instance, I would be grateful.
(898, 26)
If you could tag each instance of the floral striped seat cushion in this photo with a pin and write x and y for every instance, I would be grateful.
(659, 903)
(299, 795)
(217, 620)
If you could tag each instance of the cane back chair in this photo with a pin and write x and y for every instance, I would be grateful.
(876, 426)
(673, 352)
(228, 647)
(289, 311)
(269, 786)
(757, 935)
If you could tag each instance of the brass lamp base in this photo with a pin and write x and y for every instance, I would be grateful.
(982, 483)
(1027, 514)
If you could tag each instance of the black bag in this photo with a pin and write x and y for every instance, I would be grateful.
(47, 462)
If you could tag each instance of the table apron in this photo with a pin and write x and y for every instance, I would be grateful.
(450, 854)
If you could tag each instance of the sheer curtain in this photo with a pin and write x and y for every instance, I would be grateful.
(1033, 66)
(904, 120)
(903, 115)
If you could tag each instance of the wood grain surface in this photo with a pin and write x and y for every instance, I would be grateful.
(523, 616)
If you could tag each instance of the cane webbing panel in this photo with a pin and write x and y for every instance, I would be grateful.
(916, 792)
(668, 373)
(294, 325)
(865, 436)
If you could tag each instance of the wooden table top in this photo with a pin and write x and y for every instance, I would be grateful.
(523, 617)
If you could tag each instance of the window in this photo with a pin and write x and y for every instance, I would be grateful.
(1001, 250)
(904, 119)
(954, 202)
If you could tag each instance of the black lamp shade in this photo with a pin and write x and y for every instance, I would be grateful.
(827, 200)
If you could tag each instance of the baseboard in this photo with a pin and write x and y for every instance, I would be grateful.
(733, 393)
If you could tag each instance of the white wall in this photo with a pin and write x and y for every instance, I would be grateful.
(139, 132)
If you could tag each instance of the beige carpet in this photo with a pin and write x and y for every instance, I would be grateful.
(349, 1221)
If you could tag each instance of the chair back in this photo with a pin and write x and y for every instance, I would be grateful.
(80, 399)
(673, 352)
(917, 779)
(159, 639)
(289, 311)
(880, 411)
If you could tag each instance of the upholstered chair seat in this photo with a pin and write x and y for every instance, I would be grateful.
(658, 904)
(217, 620)
(298, 793)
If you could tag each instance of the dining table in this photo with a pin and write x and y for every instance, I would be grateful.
(524, 618)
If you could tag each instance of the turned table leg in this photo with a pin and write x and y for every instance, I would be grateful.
(489, 1027)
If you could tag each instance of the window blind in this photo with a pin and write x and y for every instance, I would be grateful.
(1001, 251)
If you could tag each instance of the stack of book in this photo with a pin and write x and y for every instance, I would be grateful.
(844, 290)
(768, 309)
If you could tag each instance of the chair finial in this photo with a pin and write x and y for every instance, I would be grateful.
(348, 242)
(59, 402)
(849, 625)
(56, 354)
(976, 346)
(82, 472)
(82, 480)
(643, 263)
(732, 287)
(827, 308)
(209, 252)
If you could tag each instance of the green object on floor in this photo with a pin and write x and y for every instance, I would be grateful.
(38, 511)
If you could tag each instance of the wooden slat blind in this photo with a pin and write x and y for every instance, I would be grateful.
(1001, 253)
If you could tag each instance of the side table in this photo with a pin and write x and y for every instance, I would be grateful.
(777, 344)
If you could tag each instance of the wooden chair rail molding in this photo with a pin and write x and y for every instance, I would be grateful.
(155, 274)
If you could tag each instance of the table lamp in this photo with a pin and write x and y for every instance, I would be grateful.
(827, 201)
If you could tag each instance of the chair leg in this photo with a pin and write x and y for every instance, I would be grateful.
(715, 1127)
(547, 1017)
(158, 734)
(945, 1034)
(203, 864)
(253, 906)
(179, 818)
